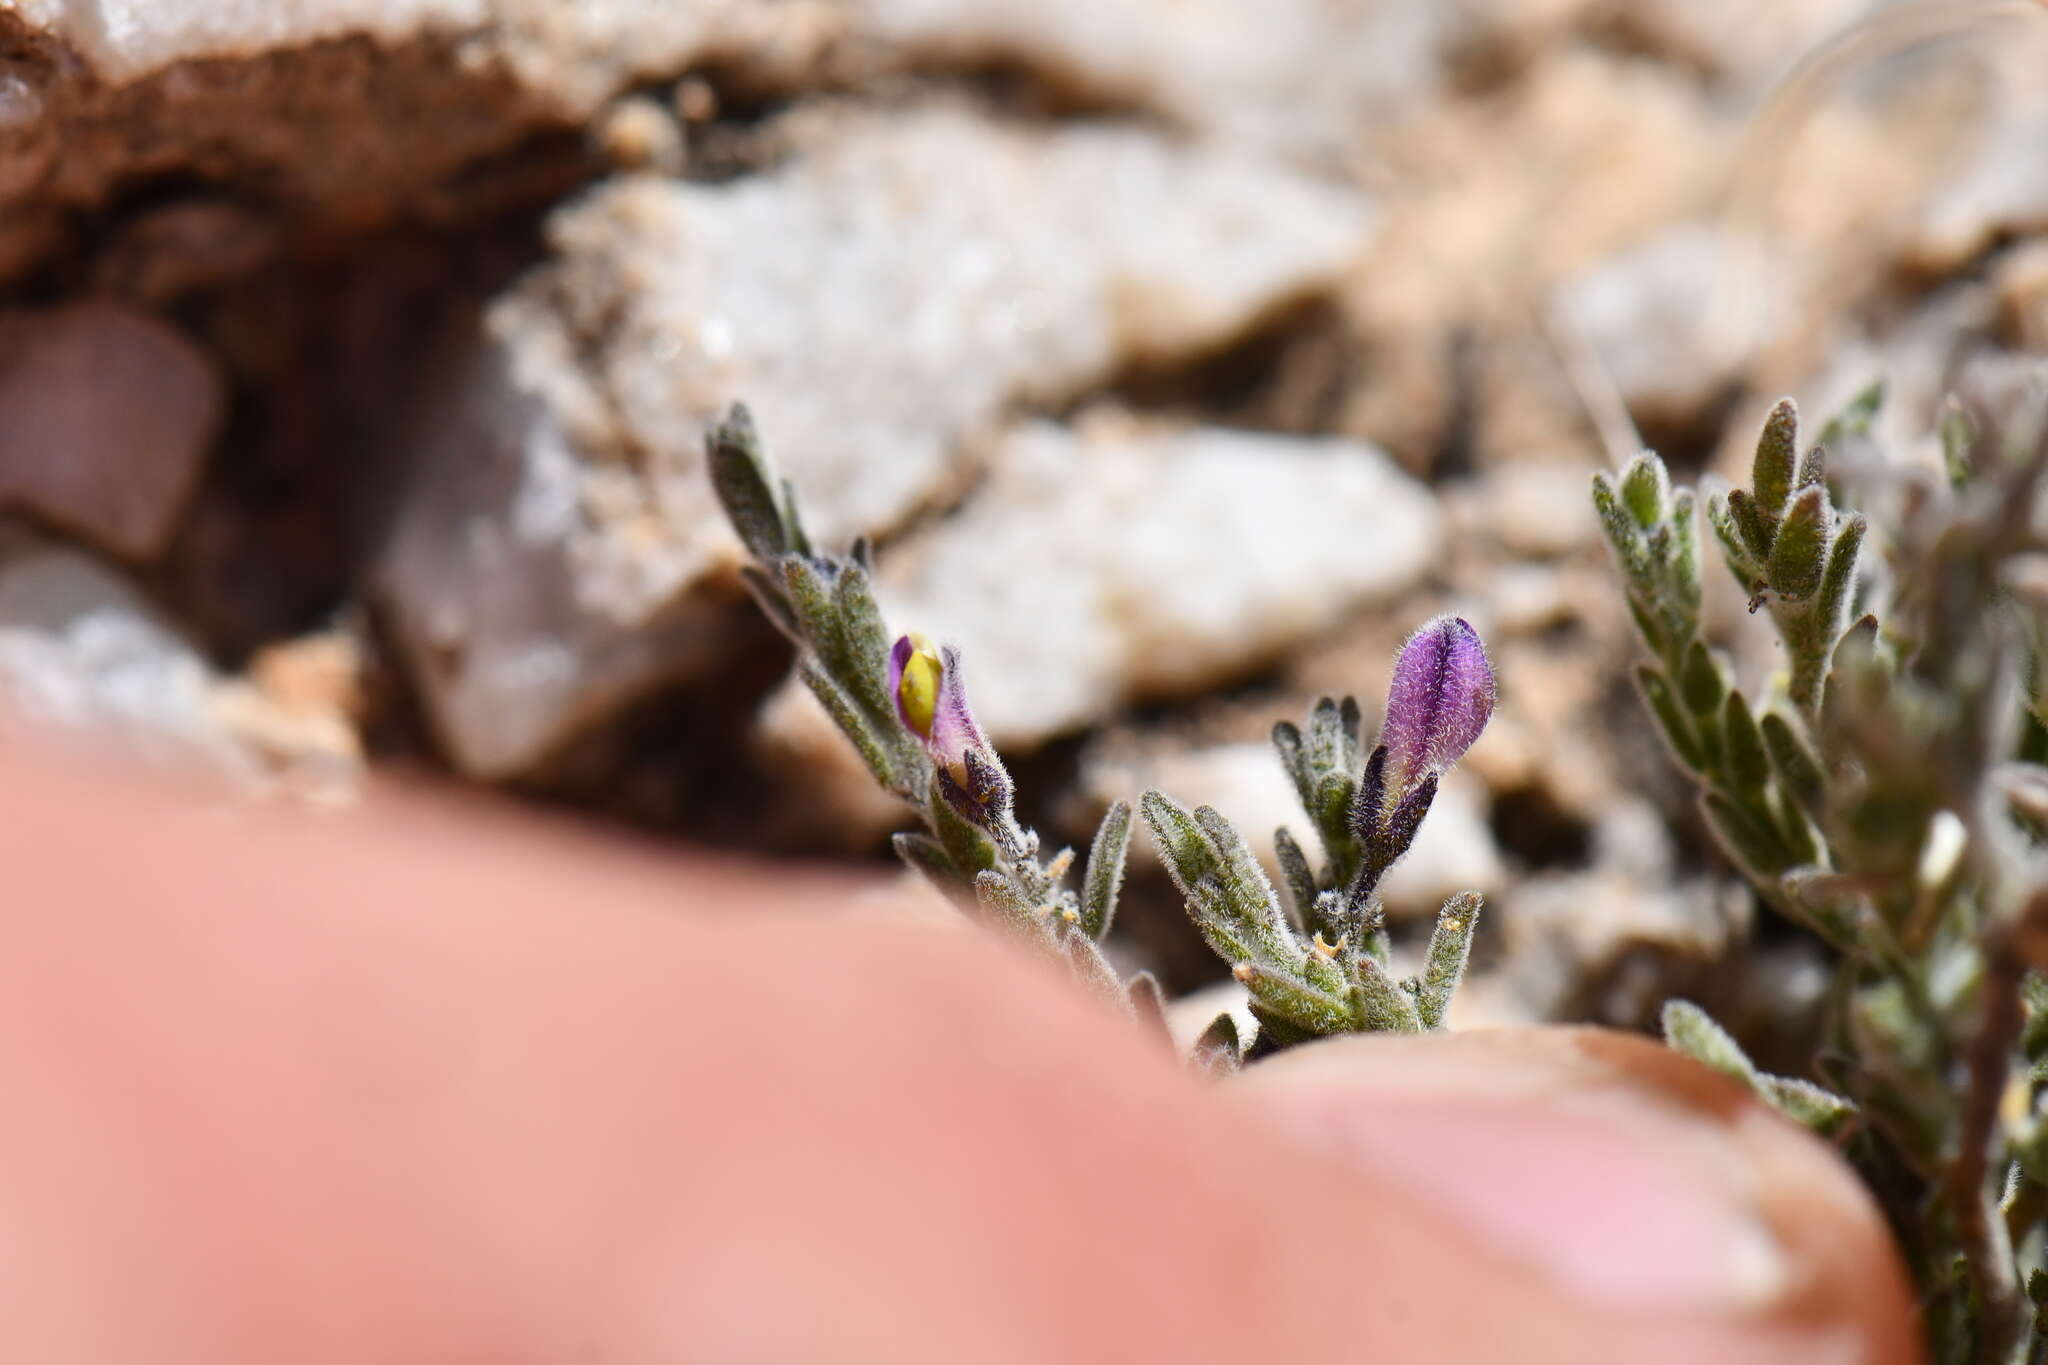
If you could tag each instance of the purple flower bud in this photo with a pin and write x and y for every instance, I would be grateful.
(932, 702)
(1440, 699)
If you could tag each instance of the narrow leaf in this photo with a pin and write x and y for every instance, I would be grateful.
(1799, 555)
(1294, 1000)
(926, 855)
(1217, 1051)
(1702, 684)
(1294, 758)
(1104, 876)
(1777, 451)
(1822, 1111)
(864, 641)
(1753, 846)
(1450, 945)
(1689, 1030)
(1838, 582)
(1006, 904)
(1751, 525)
(1798, 770)
(879, 760)
(1184, 848)
(1644, 489)
(1742, 563)
(1148, 1003)
(1301, 882)
(1630, 547)
(1671, 719)
(1380, 1003)
(1092, 969)
(745, 488)
(1743, 746)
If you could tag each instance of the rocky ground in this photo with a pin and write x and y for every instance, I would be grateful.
(355, 356)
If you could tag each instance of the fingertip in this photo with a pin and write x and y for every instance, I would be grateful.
(1647, 1193)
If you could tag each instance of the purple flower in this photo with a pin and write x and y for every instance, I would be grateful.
(932, 702)
(1440, 699)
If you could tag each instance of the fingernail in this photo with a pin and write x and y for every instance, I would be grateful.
(1621, 1200)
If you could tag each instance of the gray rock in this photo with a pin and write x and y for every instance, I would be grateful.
(106, 419)
(1118, 561)
(1649, 316)
(82, 652)
(879, 301)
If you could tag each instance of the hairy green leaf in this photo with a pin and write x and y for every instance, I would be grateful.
(1104, 876)
(1799, 554)
(1690, 1030)
(1450, 946)
(1777, 454)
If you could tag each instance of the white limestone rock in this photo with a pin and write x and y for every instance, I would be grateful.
(1099, 566)
(878, 302)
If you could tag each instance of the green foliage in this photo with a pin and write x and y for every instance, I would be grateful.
(1320, 964)
(972, 847)
(1870, 791)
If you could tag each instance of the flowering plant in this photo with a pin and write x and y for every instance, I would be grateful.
(1885, 791)
(1318, 963)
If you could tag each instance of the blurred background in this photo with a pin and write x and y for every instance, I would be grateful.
(1180, 356)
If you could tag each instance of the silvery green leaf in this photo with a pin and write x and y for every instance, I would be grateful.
(793, 522)
(1838, 582)
(1005, 903)
(1777, 454)
(1218, 1051)
(1348, 722)
(1450, 946)
(1702, 685)
(1644, 489)
(1753, 845)
(1326, 735)
(1219, 922)
(1244, 882)
(1799, 554)
(1148, 1002)
(864, 641)
(1742, 746)
(810, 596)
(1798, 770)
(1379, 1002)
(1646, 624)
(1755, 530)
(1293, 753)
(1683, 567)
(767, 594)
(1104, 876)
(1689, 1030)
(1294, 1000)
(1672, 722)
(1294, 870)
(1630, 547)
(927, 856)
(851, 722)
(1734, 548)
(1091, 968)
(745, 488)
(1822, 1111)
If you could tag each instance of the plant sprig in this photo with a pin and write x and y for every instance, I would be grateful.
(1872, 792)
(1320, 963)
